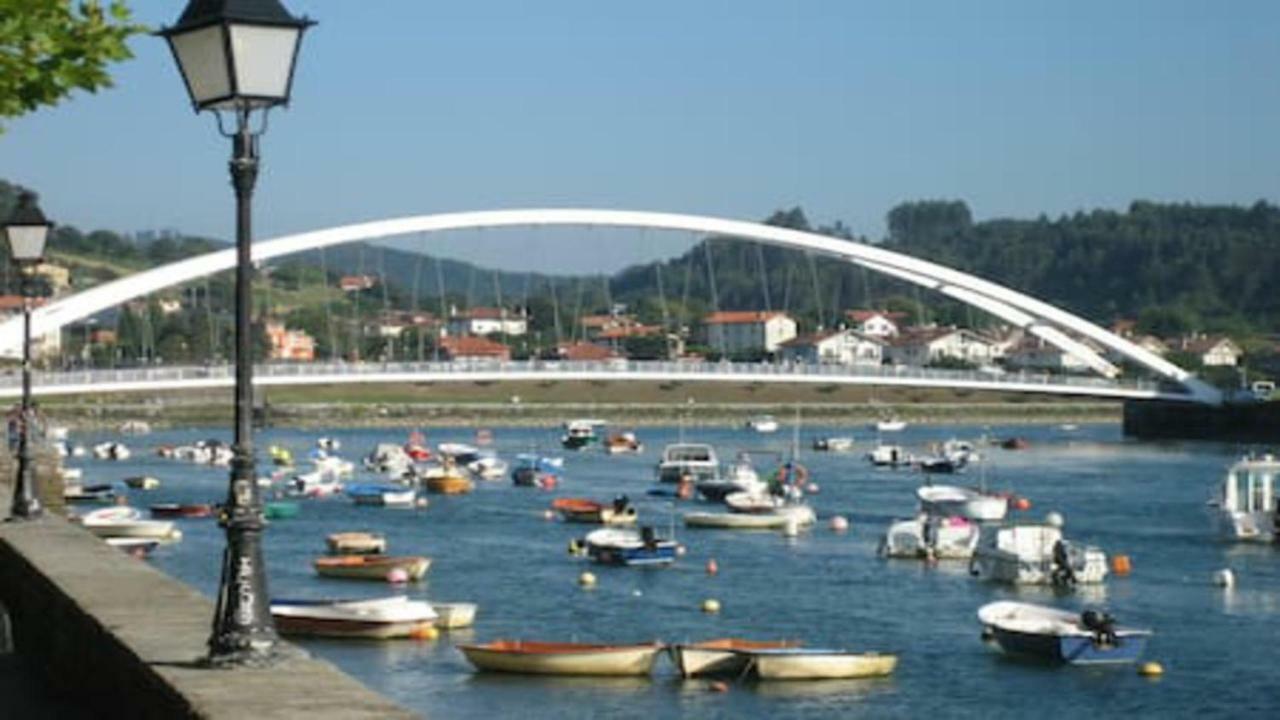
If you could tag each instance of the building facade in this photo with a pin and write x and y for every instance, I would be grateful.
(733, 332)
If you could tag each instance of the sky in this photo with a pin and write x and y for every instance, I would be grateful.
(729, 108)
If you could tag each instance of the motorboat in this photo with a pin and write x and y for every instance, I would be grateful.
(1045, 633)
(111, 451)
(376, 618)
(1246, 502)
(883, 455)
(833, 444)
(623, 443)
(388, 459)
(488, 467)
(740, 476)
(371, 567)
(416, 447)
(175, 510)
(626, 546)
(460, 453)
(382, 494)
(578, 434)
(137, 547)
(315, 484)
(70, 474)
(931, 537)
(328, 444)
(451, 616)
(142, 482)
(332, 465)
(777, 519)
(971, 503)
(536, 471)
(555, 658)
(890, 424)
(763, 423)
(135, 427)
(1036, 554)
(124, 521)
(722, 656)
(77, 493)
(449, 483)
(581, 510)
(696, 462)
(356, 543)
(280, 456)
(799, 663)
(280, 510)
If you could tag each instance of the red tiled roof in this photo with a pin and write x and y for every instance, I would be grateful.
(585, 351)
(14, 302)
(626, 331)
(470, 346)
(484, 313)
(738, 317)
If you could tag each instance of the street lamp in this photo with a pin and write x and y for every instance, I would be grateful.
(26, 230)
(237, 60)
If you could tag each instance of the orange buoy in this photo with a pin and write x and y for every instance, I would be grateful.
(425, 631)
(719, 686)
(712, 567)
(684, 490)
(1120, 565)
(1021, 503)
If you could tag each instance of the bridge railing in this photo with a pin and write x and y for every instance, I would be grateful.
(176, 375)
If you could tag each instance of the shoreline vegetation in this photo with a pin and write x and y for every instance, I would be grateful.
(548, 404)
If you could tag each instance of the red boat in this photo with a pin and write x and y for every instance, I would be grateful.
(174, 510)
(416, 448)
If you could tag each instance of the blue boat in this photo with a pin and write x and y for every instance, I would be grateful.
(381, 494)
(1060, 636)
(536, 471)
(617, 546)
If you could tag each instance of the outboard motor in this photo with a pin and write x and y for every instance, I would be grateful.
(620, 503)
(1101, 624)
(648, 537)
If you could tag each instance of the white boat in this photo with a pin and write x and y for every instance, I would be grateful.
(547, 658)
(123, 521)
(332, 466)
(382, 494)
(722, 656)
(70, 474)
(695, 461)
(135, 427)
(488, 467)
(377, 618)
(1247, 500)
(891, 424)
(740, 476)
(578, 434)
(460, 453)
(833, 444)
(817, 664)
(328, 444)
(315, 484)
(951, 500)
(111, 451)
(388, 459)
(620, 443)
(763, 423)
(780, 518)
(1046, 633)
(1036, 554)
(889, 456)
(931, 537)
(450, 616)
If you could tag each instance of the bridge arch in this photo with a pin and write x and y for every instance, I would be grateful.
(1052, 324)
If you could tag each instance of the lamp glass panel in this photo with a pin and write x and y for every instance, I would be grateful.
(26, 242)
(203, 60)
(264, 60)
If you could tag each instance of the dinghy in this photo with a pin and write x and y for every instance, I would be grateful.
(778, 519)
(1087, 638)
(372, 567)
(951, 500)
(378, 618)
(124, 521)
(618, 546)
(723, 656)
(551, 658)
(931, 537)
(356, 543)
(381, 494)
(581, 510)
(815, 664)
(450, 616)
(142, 482)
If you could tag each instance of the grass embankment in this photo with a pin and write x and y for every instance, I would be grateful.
(551, 402)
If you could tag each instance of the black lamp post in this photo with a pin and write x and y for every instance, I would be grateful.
(26, 231)
(237, 60)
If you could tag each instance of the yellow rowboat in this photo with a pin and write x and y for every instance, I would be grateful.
(722, 656)
(450, 616)
(551, 658)
(356, 543)
(372, 567)
(377, 618)
(815, 664)
(449, 485)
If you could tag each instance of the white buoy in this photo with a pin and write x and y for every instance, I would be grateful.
(711, 606)
(1224, 578)
(1054, 519)
(587, 579)
(839, 523)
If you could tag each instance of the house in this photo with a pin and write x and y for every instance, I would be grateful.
(1150, 343)
(290, 345)
(44, 346)
(357, 283)
(469, 347)
(169, 306)
(834, 347)
(1035, 354)
(738, 331)
(920, 346)
(875, 323)
(1210, 351)
(58, 277)
(585, 352)
(488, 321)
(614, 328)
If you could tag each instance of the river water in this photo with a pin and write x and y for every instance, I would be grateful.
(1220, 648)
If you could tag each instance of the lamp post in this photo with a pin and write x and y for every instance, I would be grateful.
(237, 60)
(26, 231)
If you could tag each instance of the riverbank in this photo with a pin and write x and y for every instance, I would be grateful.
(551, 403)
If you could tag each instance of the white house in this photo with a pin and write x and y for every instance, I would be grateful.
(744, 331)
(1036, 354)
(1211, 351)
(488, 321)
(835, 347)
(922, 346)
(875, 323)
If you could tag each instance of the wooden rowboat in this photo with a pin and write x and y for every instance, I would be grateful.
(722, 656)
(454, 615)
(551, 658)
(371, 567)
(815, 664)
(356, 543)
(449, 485)
(378, 618)
(619, 512)
(172, 510)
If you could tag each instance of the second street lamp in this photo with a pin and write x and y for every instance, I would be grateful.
(26, 231)
(237, 59)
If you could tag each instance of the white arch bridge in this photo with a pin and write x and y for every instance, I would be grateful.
(1057, 327)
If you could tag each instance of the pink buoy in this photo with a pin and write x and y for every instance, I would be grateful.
(839, 523)
(812, 489)
(712, 567)
(549, 483)
(396, 576)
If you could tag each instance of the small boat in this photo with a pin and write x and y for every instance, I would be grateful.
(280, 510)
(581, 510)
(720, 656)
(833, 444)
(971, 503)
(377, 618)
(70, 474)
(111, 451)
(762, 423)
(1031, 554)
(891, 424)
(449, 483)
(816, 664)
(1036, 631)
(778, 519)
(371, 567)
(536, 471)
(550, 658)
(623, 443)
(619, 546)
(142, 482)
(740, 477)
(175, 510)
(280, 456)
(137, 547)
(388, 459)
(450, 616)
(315, 484)
(416, 448)
(328, 444)
(77, 493)
(693, 461)
(135, 427)
(382, 494)
(931, 537)
(356, 543)
(1246, 502)
(578, 434)
(488, 467)
(1015, 443)
(459, 453)
(890, 456)
(124, 521)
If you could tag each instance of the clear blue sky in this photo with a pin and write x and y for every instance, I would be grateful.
(721, 107)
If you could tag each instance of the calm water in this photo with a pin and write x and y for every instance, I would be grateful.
(1220, 649)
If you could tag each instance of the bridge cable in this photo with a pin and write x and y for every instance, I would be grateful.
(715, 299)
(417, 289)
(444, 318)
(662, 299)
(818, 302)
(386, 304)
(334, 350)
(764, 276)
(555, 309)
(684, 297)
(357, 328)
(577, 312)
(528, 317)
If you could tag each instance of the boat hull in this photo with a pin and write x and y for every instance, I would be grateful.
(450, 616)
(449, 485)
(723, 657)
(817, 665)
(1073, 649)
(371, 567)
(604, 661)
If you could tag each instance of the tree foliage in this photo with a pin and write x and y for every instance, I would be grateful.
(49, 48)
